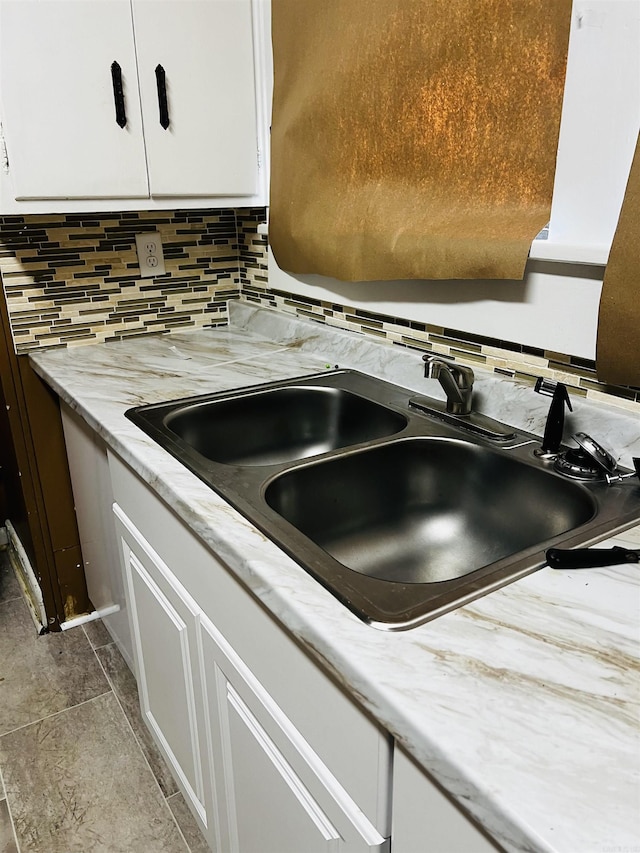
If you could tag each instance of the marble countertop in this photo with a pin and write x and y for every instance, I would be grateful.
(523, 704)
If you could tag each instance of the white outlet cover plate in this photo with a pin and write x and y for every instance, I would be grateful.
(150, 255)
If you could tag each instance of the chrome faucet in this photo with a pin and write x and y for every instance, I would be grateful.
(456, 380)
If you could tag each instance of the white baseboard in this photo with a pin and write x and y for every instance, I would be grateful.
(89, 617)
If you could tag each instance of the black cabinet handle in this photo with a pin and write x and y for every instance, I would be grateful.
(163, 106)
(590, 558)
(118, 94)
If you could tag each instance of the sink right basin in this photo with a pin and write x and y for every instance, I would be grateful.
(426, 510)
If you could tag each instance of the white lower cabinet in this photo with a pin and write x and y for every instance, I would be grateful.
(270, 754)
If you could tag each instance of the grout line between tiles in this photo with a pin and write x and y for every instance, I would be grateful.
(55, 714)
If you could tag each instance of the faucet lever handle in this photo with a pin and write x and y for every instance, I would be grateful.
(433, 364)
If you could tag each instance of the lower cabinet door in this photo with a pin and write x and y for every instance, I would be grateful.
(165, 635)
(253, 781)
(273, 793)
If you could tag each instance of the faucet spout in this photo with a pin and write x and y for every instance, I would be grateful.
(455, 379)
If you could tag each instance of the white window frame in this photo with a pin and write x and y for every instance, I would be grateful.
(599, 130)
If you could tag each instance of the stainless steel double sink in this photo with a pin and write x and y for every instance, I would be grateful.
(401, 515)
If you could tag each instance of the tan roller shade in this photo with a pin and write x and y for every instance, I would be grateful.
(618, 348)
(414, 138)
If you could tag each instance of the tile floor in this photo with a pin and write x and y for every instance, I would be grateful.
(78, 769)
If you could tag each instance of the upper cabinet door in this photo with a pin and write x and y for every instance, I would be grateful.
(59, 95)
(197, 85)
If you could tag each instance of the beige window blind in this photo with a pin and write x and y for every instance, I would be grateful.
(414, 138)
(617, 349)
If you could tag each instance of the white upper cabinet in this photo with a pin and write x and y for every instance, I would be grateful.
(152, 104)
(58, 113)
(200, 53)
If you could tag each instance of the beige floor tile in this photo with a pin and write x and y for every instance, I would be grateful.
(40, 676)
(76, 782)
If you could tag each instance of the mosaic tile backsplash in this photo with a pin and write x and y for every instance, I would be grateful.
(74, 279)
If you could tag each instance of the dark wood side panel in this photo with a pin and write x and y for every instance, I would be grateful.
(39, 496)
(52, 471)
(11, 497)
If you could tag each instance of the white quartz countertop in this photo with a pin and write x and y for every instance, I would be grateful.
(523, 705)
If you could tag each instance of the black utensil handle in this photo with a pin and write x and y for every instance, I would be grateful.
(163, 106)
(589, 558)
(118, 94)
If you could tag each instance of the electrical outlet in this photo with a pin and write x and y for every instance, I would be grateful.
(150, 256)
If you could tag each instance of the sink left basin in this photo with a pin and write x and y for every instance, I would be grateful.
(280, 424)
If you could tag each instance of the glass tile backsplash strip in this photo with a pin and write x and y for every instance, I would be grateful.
(74, 279)
(500, 356)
